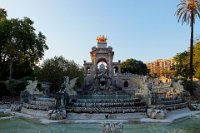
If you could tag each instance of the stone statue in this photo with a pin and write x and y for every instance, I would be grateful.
(63, 95)
(178, 86)
(102, 79)
(68, 86)
(102, 68)
(25, 96)
(31, 88)
(66, 81)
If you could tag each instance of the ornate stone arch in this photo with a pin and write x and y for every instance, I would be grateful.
(102, 60)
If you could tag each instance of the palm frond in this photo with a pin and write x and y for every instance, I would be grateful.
(185, 10)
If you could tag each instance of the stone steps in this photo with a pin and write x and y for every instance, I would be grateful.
(121, 104)
(107, 104)
(107, 100)
(36, 107)
(106, 110)
(170, 102)
(171, 106)
(104, 96)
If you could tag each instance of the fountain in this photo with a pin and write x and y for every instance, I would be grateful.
(106, 91)
(33, 98)
(106, 98)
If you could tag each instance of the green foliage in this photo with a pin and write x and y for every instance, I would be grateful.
(188, 10)
(182, 64)
(16, 86)
(12, 87)
(189, 85)
(53, 70)
(20, 46)
(134, 66)
(197, 59)
(3, 14)
(22, 69)
(3, 89)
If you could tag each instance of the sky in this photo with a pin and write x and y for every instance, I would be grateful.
(145, 30)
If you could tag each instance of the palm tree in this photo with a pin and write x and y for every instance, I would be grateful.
(187, 11)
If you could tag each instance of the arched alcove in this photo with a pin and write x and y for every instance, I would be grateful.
(88, 70)
(116, 70)
(125, 83)
(102, 61)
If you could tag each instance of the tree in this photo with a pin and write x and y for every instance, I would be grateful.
(3, 14)
(181, 67)
(134, 66)
(182, 62)
(53, 70)
(188, 10)
(19, 43)
(197, 59)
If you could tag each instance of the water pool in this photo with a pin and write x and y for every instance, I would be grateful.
(22, 125)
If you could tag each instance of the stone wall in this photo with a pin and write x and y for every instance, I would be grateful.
(35, 113)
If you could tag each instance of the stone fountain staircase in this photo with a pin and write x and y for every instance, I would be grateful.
(107, 104)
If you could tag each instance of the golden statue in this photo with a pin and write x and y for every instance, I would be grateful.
(101, 39)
